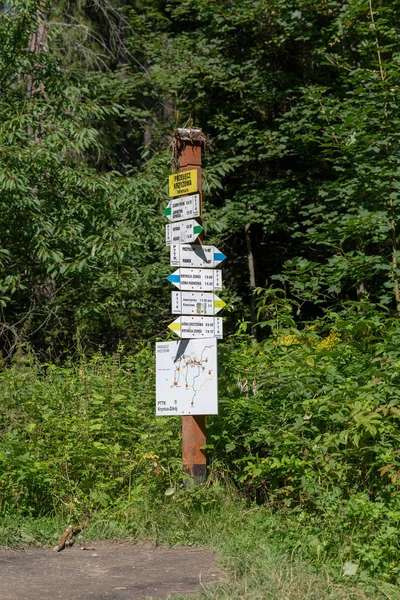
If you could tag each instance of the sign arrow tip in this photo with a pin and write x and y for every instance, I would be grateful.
(173, 278)
(219, 303)
(174, 326)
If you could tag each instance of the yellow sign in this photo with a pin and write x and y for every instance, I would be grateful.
(183, 183)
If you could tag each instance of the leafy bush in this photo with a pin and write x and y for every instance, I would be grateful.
(310, 420)
(83, 436)
(308, 426)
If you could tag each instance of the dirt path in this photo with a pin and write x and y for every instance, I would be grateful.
(111, 572)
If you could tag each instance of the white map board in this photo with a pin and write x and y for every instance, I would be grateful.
(187, 377)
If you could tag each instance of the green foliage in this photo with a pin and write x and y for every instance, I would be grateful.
(77, 439)
(308, 426)
(310, 421)
(80, 241)
(300, 102)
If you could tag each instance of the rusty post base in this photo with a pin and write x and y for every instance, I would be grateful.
(194, 459)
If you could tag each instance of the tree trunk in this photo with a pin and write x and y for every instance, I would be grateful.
(361, 290)
(169, 111)
(252, 279)
(394, 258)
(37, 41)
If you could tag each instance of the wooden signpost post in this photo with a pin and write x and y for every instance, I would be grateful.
(186, 371)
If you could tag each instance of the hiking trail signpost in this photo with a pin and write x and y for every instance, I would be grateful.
(187, 369)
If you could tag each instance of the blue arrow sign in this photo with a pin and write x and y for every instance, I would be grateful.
(201, 280)
(174, 278)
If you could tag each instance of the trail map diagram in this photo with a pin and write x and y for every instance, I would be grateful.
(187, 377)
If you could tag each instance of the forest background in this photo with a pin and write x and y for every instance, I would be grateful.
(301, 189)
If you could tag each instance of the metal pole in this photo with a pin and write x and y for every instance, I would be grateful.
(193, 428)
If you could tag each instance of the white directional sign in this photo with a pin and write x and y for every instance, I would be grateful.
(206, 280)
(195, 255)
(195, 303)
(187, 378)
(197, 327)
(184, 232)
(187, 207)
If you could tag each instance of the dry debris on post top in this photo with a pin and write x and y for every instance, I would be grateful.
(182, 135)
